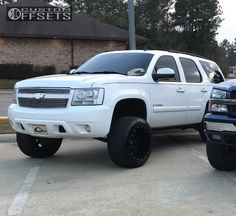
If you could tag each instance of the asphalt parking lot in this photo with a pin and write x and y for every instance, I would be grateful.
(81, 180)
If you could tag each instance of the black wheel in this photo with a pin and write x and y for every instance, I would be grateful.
(201, 126)
(201, 131)
(38, 147)
(220, 157)
(130, 142)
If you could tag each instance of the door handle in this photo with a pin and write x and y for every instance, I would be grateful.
(204, 90)
(180, 90)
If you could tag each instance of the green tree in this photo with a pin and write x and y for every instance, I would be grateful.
(113, 12)
(152, 17)
(153, 21)
(196, 22)
(229, 51)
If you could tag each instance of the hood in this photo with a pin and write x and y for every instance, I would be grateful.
(74, 81)
(229, 85)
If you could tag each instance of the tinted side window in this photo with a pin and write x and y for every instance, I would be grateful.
(191, 72)
(168, 62)
(212, 71)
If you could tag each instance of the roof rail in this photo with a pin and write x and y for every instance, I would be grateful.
(187, 53)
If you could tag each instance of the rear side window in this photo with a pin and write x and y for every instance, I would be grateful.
(168, 62)
(191, 72)
(212, 71)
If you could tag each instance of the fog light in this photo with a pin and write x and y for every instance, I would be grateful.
(88, 128)
(216, 137)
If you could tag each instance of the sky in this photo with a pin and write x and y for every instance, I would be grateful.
(228, 26)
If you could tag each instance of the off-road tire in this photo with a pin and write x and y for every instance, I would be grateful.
(201, 126)
(202, 132)
(130, 142)
(37, 147)
(220, 156)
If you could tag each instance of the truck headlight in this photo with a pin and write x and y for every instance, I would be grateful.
(218, 94)
(89, 96)
(218, 107)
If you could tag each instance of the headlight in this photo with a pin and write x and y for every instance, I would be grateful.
(91, 96)
(14, 96)
(218, 94)
(218, 107)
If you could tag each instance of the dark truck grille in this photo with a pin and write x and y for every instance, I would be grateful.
(43, 103)
(233, 95)
(232, 110)
(39, 97)
(232, 107)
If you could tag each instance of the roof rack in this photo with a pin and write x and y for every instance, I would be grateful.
(187, 53)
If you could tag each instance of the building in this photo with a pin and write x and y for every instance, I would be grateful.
(232, 69)
(60, 43)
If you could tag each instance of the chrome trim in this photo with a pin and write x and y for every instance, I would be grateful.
(44, 90)
(223, 101)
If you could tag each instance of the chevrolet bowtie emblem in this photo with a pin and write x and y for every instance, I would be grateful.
(39, 96)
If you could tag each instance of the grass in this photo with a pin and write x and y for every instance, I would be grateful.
(5, 127)
(7, 83)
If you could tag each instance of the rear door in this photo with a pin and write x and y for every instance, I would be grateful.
(197, 90)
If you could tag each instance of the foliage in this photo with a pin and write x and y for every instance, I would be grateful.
(153, 21)
(24, 71)
(7, 83)
(112, 12)
(58, 3)
(196, 22)
(229, 51)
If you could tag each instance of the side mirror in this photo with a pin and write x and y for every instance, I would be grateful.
(163, 73)
(71, 71)
(73, 68)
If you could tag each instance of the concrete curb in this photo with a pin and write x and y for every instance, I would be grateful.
(3, 117)
(7, 138)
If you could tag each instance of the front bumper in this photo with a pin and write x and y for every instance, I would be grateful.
(220, 129)
(77, 121)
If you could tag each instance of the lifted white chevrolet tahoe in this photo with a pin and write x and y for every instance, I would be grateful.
(118, 97)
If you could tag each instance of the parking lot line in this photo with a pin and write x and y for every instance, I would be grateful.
(20, 199)
(200, 155)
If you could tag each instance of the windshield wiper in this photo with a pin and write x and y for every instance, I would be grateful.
(96, 72)
(108, 72)
(79, 72)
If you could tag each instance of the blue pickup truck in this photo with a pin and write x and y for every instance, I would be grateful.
(220, 126)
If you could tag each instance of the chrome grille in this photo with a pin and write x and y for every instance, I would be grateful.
(43, 103)
(40, 97)
(44, 90)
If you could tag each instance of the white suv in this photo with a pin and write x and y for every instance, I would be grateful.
(118, 97)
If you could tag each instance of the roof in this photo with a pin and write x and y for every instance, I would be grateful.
(81, 26)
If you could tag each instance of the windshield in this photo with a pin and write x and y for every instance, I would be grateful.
(131, 64)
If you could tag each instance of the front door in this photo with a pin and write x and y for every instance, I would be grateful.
(168, 97)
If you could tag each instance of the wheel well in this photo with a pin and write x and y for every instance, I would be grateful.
(207, 107)
(130, 107)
